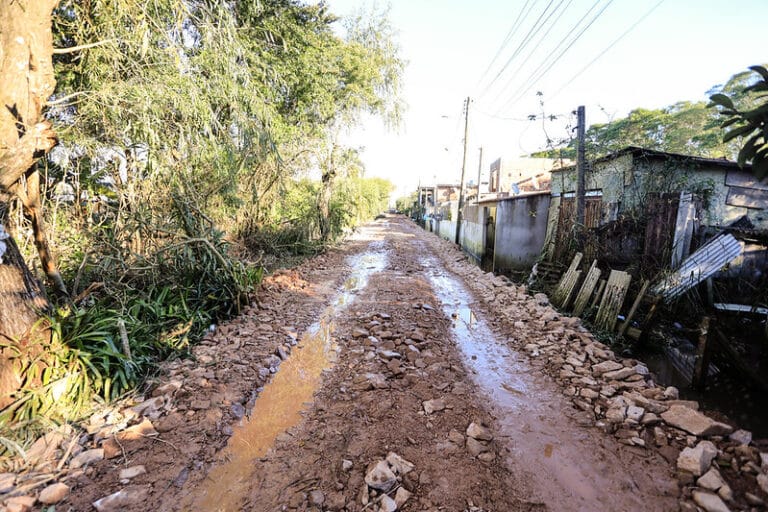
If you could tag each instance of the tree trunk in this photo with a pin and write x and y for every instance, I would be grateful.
(324, 196)
(26, 82)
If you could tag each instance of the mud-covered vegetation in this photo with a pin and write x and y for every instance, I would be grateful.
(196, 141)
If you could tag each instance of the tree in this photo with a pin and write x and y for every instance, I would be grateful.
(26, 82)
(748, 121)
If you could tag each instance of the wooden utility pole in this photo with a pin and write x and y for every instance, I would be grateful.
(581, 165)
(479, 173)
(463, 169)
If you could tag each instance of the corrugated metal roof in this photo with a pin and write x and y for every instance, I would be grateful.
(700, 265)
(638, 151)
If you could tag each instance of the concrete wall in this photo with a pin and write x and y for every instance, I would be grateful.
(521, 227)
(473, 231)
(626, 181)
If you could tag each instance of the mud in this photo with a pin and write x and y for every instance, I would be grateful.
(381, 328)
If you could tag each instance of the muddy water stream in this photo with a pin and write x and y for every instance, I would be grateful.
(568, 469)
(280, 405)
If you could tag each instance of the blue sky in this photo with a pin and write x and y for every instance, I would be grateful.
(680, 50)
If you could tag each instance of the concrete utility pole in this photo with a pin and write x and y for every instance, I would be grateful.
(479, 173)
(463, 168)
(581, 167)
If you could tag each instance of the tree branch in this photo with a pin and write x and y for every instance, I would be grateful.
(72, 49)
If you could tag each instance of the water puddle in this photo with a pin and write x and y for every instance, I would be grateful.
(280, 405)
(535, 419)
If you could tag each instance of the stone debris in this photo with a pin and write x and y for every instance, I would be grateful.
(20, 503)
(121, 499)
(381, 477)
(697, 460)
(694, 422)
(54, 493)
(87, 457)
(434, 405)
(710, 502)
(479, 432)
(132, 472)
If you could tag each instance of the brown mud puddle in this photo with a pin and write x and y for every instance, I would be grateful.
(569, 467)
(283, 400)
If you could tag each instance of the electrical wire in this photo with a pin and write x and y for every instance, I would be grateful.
(505, 42)
(608, 48)
(542, 38)
(534, 78)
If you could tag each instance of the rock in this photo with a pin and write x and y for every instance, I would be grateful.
(398, 464)
(743, 437)
(54, 493)
(389, 354)
(86, 457)
(616, 414)
(475, 447)
(20, 503)
(387, 504)
(360, 333)
(671, 393)
(151, 408)
(711, 480)
(763, 460)
(7, 482)
(335, 502)
(694, 422)
(710, 502)
(122, 499)
(635, 413)
(479, 432)
(697, 460)
(619, 374)
(487, 456)
(380, 477)
(169, 388)
(434, 405)
(316, 498)
(281, 352)
(132, 472)
(606, 366)
(376, 380)
(456, 437)
(346, 465)
(650, 419)
(401, 496)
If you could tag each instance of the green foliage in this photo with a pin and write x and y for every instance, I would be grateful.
(686, 127)
(748, 123)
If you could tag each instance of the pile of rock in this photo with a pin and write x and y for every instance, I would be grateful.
(383, 489)
(623, 398)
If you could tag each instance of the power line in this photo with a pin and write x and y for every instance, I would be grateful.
(542, 38)
(506, 40)
(534, 78)
(526, 39)
(608, 48)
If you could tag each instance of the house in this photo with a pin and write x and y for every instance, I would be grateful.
(507, 173)
(649, 209)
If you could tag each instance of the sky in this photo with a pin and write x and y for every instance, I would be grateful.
(609, 55)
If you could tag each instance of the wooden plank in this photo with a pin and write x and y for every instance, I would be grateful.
(567, 282)
(747, 197)
(613, 299)
(587, 288)
(598, 295)
(571, 288)
(744, 179)
(633, 309)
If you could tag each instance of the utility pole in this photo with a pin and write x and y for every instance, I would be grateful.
(463, 168)
(581, 165)
(479, 173)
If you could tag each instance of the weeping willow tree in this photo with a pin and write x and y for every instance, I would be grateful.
(179, 124)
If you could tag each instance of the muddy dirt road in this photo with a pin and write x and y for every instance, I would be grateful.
(375, 377)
